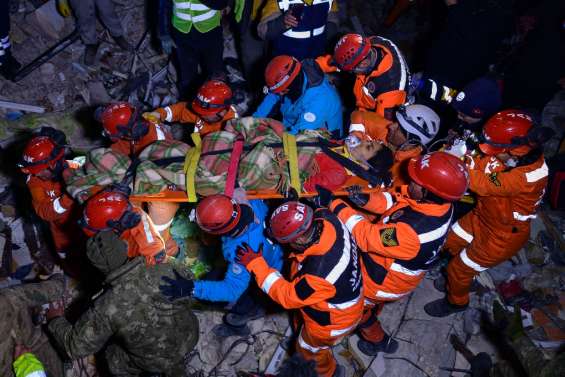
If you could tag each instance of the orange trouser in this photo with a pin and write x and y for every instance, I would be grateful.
(477, 247)
(313, 346)
(370, 327)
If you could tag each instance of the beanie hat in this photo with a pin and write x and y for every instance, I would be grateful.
(478, 99)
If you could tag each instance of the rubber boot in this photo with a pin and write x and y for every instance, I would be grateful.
(443, 308)
(386, 345)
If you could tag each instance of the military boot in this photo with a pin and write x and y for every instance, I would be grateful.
(386, 345)
(443, 308)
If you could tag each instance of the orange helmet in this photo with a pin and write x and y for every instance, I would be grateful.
(212, 97)
(121, 121)
(290, 220)
(350, 50)
(108, 210)
(506, 131)
(40, 153)
(440, 173)
(218, 214)
(281, 72)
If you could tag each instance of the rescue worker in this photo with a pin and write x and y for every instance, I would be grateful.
(18, 328)
(110, 209)
(43, 161)
(9, 66)
(238, 224)
(397, 250)
(326, 282)
(381, 73)
(415, 128)
(196, 36)
(209, 111)
(299, 28)
(130, 134)
(308, 101)
(140, 329)
(507, 200)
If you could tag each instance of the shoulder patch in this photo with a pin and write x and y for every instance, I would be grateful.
(388, 237)
(370, 87)
(397, 214)
(493, 178)
(309, 117)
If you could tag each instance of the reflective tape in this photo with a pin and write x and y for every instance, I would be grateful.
(307, 346)
(345, 305)
(537, 174)
(342, 331)
(352, 221)
(192, 6)
(162, 227)
(160, 132)
(520, 217)
(434, 90)
(403, 270)
(435, 234)
(169, 117)
(390, 295)
(305, 34)
(456, 228)
(147, 229)
(57, 207)
(469, 263)
(270, 280)
(356, 127)
(37, 373)
(389, 200)
(205, 16)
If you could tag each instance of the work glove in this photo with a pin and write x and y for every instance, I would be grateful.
(245, 254)
(152, 116)
(167, 44)
(324, 197)
(356, 196)
(64, 8)
(176, 288)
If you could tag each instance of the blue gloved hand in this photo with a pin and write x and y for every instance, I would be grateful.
(176, 288)
(167, 44)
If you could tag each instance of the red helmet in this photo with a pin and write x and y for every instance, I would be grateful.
(290, 220)
(117, 119)
(280, 72)
(440, 173)
(103, 211)
(218, 214)
(40, 153)
(350, 50)
(212, 97)
(503, 131)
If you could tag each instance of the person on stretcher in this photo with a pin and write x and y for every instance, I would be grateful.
(415, 128)
(261, 166)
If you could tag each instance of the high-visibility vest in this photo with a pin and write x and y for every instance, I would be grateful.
(187, 13)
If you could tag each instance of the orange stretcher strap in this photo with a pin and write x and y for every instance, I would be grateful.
(190, 166)
(234, 166)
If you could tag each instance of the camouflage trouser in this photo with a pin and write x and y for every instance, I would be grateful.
(120, 364)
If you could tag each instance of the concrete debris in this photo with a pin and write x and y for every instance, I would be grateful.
(48, 19)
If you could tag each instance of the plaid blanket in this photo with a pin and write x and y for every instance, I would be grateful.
(262, 166)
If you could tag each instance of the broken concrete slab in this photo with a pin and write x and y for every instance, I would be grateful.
(48, 19)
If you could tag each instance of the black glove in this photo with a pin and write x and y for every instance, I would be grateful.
(176, 288)
(356, 196)
(324, 197)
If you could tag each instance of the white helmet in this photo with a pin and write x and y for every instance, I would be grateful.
(419, 121)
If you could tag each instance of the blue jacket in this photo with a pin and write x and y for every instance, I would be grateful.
(319, 106)
(237, 277)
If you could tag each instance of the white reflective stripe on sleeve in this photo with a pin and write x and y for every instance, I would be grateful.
(404, 74)
(318, 30)
(344, 260)
(160, 132)
(456, 228)
(204, 16)
(199, 7)
(356, 127)
(352, 221)
(58, 207)
(37, 373)
(183, 5)
(435, 234)
(297, 34)
(342, 331)
(307, 346)
(434, 90)
(469, 263)
(403, 270)
(345, 305)
(183, 16)
(446, 95)
(520, 217)
(169, 116)
(270, 280)
(390, 295)
(389, 201)
(537, 174)
(162, 227)
(147, 228)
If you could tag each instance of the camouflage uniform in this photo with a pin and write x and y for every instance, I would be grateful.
(153, 334)
(16, 326)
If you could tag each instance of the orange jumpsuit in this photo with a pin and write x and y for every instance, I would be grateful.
(498, 226)
(326, 286)
(179, 112)
(143, 239)
(385, 88)
(53, 204)
(396, 251)
(155, 132)
(367, 125)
